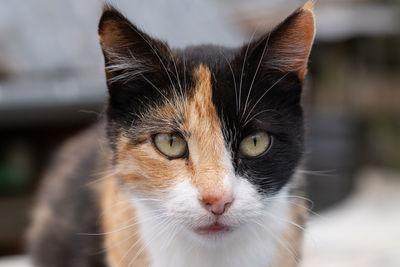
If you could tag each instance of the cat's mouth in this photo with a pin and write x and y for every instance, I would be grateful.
(213, 229)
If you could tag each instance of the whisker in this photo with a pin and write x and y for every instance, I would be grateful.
(255, 115)
(148, 242)
(242, 71)
(292, 196)
(184, 76)
(283, 244)
(328, 173)
(265, 50)
(262, 96)
(104, 177)
(234, 80)
(157, 89)
(284, 200)
(117, 244)
(155, 52)
(177, 77)
(132, 246)
(286, 221)
(124, 227)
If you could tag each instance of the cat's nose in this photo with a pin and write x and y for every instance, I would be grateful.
(217, 204)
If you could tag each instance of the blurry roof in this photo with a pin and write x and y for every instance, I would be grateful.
(46, 35)
(336, 19)
(50, 53)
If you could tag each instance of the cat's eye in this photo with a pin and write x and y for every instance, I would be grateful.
(171, 145)
(255, 144)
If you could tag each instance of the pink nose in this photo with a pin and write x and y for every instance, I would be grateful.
(217, 205)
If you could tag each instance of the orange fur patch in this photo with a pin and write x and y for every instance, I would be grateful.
(122, 233)
(206, 142)
(144, 169)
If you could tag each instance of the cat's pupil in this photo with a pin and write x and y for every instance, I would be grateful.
(171, 140)
(255, 140)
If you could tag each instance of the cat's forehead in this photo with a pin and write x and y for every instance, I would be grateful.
(239, 89)
(210, 55)
(200, 120)
(201, 114)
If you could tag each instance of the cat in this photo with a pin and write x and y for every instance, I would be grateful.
(195, 161)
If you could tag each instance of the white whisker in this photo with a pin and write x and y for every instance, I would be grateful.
(234, 81)
(265, 51)
(262, 96)
(242, 71)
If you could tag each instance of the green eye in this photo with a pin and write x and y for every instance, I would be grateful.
(255, 144)
(170, 144)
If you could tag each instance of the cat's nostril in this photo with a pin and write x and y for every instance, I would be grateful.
(217, 205)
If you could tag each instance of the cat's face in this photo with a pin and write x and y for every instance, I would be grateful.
(206, 138)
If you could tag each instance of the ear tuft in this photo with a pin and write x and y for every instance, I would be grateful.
(108, 7)
(308, 6)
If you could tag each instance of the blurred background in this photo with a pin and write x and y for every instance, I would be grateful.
(52, 86)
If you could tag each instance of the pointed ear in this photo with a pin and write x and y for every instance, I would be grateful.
(128, 52)
(287, 47)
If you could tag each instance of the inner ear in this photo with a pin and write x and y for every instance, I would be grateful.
(287, 47)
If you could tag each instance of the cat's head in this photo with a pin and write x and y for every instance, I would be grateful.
(204, 138)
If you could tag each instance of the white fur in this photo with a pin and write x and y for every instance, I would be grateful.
(171, 242)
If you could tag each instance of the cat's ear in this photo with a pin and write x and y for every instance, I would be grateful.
(129, 53)
(287, 47)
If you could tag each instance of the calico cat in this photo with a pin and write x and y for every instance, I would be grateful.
(195, 161)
